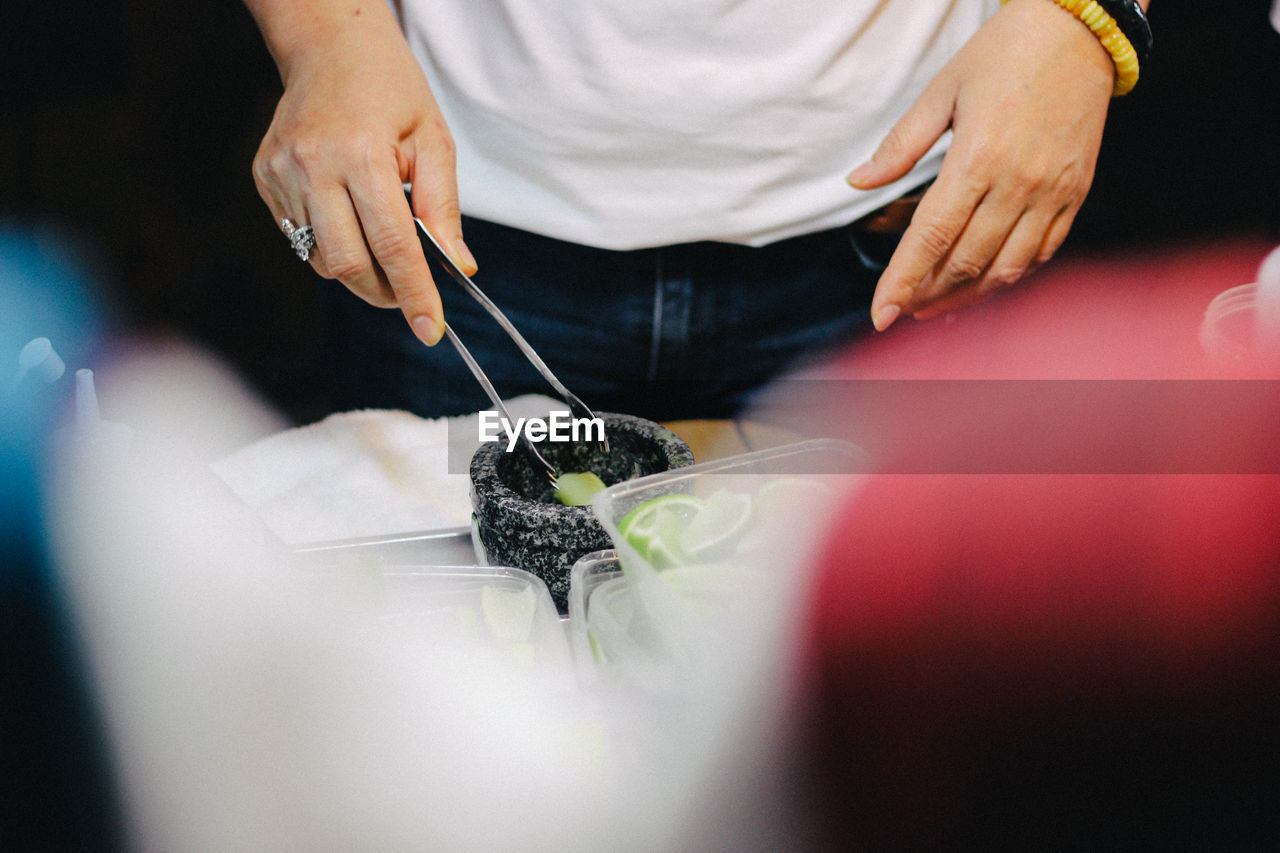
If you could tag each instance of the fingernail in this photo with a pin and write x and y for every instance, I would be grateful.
(885, 318)
(427, 329)
(465, 259)
(860, 174)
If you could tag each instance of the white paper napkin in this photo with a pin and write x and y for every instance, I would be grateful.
(364, 473)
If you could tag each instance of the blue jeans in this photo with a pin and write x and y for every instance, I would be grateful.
(683, 331)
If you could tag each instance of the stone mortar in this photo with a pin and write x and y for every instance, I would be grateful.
(516, 517)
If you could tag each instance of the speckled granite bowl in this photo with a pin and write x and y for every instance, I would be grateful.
(518, 523)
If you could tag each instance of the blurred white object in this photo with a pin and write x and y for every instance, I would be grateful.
(38, 357)
(704, 636)
(88, 430)
(255, 702)
(1275, 15)
(88, 416)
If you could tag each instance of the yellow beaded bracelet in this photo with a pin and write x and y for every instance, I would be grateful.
(1114, 40)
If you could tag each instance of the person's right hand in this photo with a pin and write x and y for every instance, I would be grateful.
(357, 120)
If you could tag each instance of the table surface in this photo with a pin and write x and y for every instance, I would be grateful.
(716, 439)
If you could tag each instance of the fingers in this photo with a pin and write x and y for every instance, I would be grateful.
(365, 235)
(1007, 264)
(1032, 242)
(972, 252)
(336, 158)
(268, 178)
(344, 254)
(1056, 234)
(435, 197)
(981, 227)
(941, 218)
(943, 212)
(378, 196)
(909, 139)
(340, 251)
(1018, 168)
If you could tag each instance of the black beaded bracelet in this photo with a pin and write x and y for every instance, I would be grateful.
(1132, 21)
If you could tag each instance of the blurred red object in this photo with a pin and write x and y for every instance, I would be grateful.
(1078, 647)
(1113, 316)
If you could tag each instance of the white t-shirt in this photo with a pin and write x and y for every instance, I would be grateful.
(624, 124)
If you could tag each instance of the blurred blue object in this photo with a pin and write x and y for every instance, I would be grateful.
(55, 784)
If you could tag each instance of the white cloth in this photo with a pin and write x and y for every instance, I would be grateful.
(623, 124)
(363, 473)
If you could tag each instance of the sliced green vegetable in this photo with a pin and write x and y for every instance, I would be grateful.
(714, 532)
(508, 613)
(654, 528)
(577, 489)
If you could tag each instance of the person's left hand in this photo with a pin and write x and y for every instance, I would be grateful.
(1026, 98)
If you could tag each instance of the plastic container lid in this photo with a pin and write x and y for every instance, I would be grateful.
(39, 359)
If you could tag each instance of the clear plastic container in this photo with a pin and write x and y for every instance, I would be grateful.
(503, 610)
(1241, 326)
(680, 604)
(588, 573)
(1227, 332)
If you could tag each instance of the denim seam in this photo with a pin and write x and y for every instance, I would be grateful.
(655, 343)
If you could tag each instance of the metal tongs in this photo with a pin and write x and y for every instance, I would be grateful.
(577, 408)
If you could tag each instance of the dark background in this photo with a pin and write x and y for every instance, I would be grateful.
(131, 124)
(134, 123)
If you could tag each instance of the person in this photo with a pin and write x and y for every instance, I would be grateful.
(664, 195)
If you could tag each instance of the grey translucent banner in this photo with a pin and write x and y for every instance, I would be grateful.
(1041, 426)
(1009, 426)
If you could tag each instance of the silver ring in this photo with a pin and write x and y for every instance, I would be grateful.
(301, 237)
